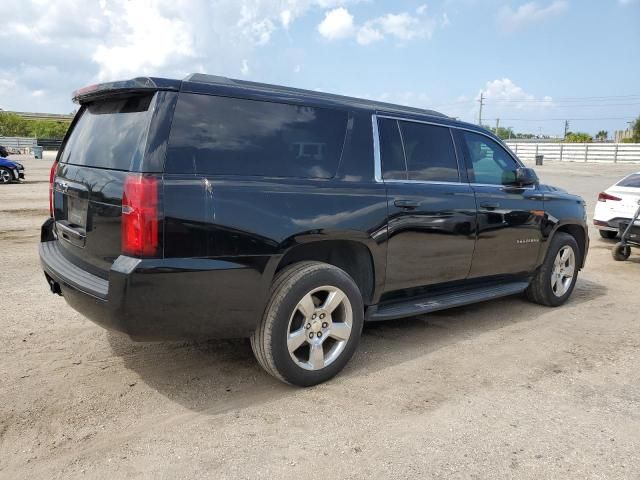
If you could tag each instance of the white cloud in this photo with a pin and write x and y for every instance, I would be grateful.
(403, 26)
(56, 47)
(529, 13)
(368, 34)
(503, 92)
(286, 18)
(147, 40)
(245, 67)
(337, 24)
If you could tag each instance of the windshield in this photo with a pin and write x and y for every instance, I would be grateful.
(109, 134)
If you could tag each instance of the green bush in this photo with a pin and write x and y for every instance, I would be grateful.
(578, 137)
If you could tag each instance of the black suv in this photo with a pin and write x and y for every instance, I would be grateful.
(212, 207)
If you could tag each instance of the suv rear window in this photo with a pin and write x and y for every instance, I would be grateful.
(109, 134)
(231, 136)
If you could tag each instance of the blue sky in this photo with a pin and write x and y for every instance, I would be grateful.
(538, 62)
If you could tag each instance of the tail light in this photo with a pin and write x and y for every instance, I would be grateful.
(52, 177)
(604, 196)
(140, 216)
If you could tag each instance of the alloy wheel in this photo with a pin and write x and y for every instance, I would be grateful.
(319, 328)
(564, 268)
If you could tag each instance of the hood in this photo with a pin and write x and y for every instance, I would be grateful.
(8, 163)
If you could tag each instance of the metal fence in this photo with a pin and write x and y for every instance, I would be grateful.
(19, 144)
(24, 144)
(578, 152)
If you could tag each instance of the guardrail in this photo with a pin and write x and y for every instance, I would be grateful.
(25, 144)
(21, 144)
(578, 152)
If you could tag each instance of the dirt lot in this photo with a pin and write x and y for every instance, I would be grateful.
(500, 389)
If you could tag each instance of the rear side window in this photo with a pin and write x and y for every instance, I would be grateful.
(632, 180)
(230, 136)
(391, 154)
(110, 134)
(430, 153)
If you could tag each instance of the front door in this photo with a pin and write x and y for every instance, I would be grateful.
(432, 213)
(509, 217)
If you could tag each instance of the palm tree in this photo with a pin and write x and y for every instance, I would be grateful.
(602, 135)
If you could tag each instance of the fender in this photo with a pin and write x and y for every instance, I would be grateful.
(317, 245)
(551, 225)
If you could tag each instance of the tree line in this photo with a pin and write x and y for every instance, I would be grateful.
(12, 125)
(570, 137)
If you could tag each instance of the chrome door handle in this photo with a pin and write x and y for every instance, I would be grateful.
(489, 205)
(408, 204)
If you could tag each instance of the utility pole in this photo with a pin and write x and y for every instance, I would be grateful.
(566, 128)
(481, 105)
(497, 125)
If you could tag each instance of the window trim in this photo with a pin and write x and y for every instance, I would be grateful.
(378, 162)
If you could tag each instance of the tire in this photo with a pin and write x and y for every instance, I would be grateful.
(551, 285)
(609, 234)
(284, 325)
(5, 175)
(620, 252)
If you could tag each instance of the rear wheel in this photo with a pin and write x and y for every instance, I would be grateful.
(556, 277)
(620, 252)
(610, 234)
(311, 326)
(5, 175)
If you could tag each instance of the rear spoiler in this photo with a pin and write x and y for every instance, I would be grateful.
(124, 87)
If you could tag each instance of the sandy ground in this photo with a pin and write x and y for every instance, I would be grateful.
(504, 389)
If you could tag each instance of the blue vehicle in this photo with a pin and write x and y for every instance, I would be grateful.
(10, 171)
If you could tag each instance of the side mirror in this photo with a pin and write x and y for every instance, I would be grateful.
(526, 177)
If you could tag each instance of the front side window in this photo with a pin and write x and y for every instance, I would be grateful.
(429, 152)
(231, 136)
(490, 163)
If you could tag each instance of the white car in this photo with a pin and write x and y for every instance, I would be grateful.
(617, 203)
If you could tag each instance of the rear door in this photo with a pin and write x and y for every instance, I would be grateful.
(107, 139)
(432, 210)
(509, 217)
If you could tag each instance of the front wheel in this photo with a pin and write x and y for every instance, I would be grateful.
(5, 175)
(311, 325)
(556, 277)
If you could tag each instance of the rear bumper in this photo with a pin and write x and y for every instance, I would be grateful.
(613, 224)
(162, 299)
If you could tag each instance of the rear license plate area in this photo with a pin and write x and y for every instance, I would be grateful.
(77, 212)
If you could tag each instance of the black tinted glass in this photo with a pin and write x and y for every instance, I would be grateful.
(229, 136)
(491, 163)
(109, 134)
(391, 154)
(630, 181)
(430, 152)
